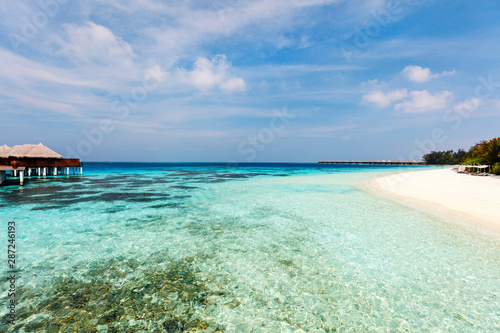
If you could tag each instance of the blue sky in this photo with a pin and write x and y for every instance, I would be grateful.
(249, 81)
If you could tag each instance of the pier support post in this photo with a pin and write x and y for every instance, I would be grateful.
(21, 177)
(38, 172)
(81, 171)
(2, 177)
(55, 171)
(67, 171)
(14, 173)
(44, 171)
(29, 172)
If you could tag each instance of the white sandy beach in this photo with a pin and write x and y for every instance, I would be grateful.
(472, 197)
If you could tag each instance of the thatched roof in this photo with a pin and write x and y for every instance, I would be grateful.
(20, 151)
(41, 151)
(4, 151)
(28, 151)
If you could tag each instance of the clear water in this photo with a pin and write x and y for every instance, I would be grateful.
(261, 248)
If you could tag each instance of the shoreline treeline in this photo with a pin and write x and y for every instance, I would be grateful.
(482, 153)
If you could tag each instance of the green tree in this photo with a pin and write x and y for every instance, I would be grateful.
(496, 168)
(447, 157)
(459, 156)
(486, 152)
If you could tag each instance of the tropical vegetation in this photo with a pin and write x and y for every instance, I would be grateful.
(482, 153)
(448, 157)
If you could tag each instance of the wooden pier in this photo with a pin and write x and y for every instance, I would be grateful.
(12, 170)
(375, 162)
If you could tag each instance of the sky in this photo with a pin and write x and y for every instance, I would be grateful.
(249, 81)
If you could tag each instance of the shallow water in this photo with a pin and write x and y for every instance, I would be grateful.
(268, 248)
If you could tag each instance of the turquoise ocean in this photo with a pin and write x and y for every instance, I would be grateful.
(131, 247)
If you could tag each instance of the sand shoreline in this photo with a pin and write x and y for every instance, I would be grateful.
(473, 198)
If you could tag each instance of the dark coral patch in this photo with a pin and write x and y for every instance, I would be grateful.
(120, 295)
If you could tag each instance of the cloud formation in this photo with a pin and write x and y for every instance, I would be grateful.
(94, 43)
(423, 101)
(381, 99)
(419, 74)
(468, 105)
(210, 74)
(417, 101)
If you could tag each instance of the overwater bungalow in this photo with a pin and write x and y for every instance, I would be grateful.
(35, 160)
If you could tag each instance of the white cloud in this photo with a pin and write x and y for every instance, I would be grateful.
(423, 101)
(234, 84)
(209, 74)
(478, 107)
(94, 43)
(370, 84)
(381, 99)
(414, 101)
(33, 86)
(134, 6)
(95, 51)
(419, 74)
(468, 105)
(24, 72)
(189, 24)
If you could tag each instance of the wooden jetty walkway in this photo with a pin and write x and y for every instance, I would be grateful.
(375, 162)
